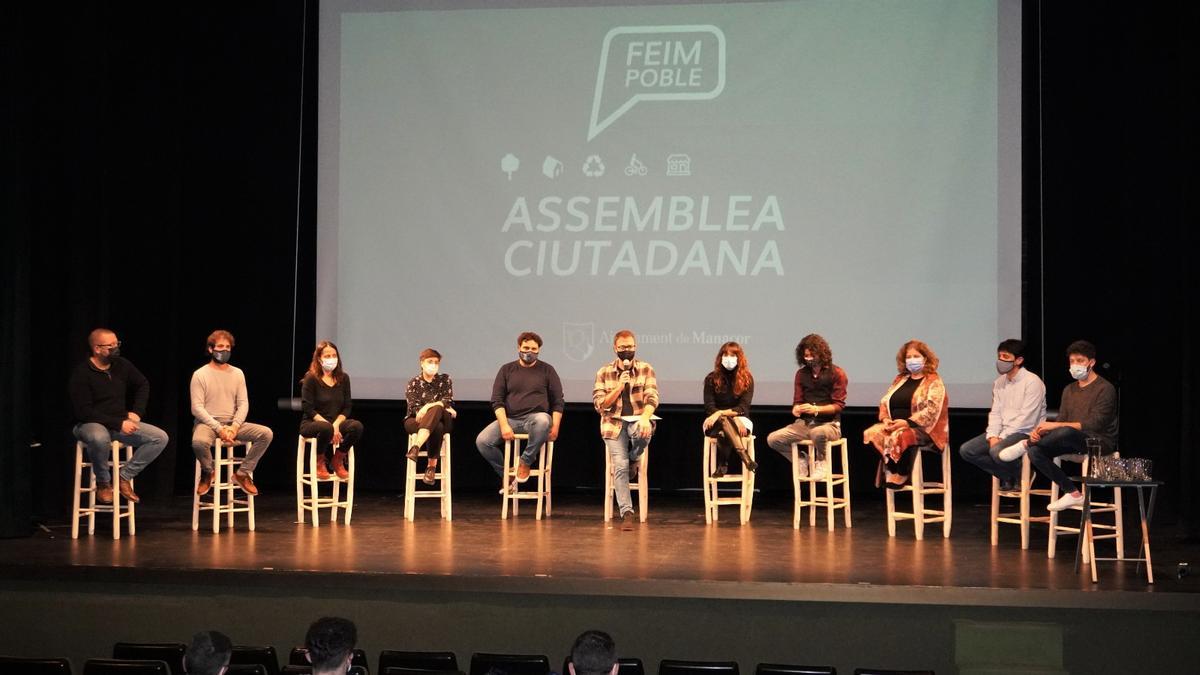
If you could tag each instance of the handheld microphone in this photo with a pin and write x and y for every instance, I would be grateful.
(626, 364)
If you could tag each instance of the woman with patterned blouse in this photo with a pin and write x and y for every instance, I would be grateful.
(913, 413)
(430, 410)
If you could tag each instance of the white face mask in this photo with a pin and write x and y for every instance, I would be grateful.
(329, 364)
(1078, 372)
(729, 361)
(429, 369)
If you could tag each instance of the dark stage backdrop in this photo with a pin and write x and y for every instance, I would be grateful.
(158, 174)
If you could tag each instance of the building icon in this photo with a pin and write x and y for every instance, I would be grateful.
(679, 164)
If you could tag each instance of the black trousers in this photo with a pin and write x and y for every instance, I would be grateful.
(352, 430)
(438, 422)
(728, 438)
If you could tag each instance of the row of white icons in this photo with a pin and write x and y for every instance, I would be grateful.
(678, 164)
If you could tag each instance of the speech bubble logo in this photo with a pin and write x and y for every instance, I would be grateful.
(656, 63)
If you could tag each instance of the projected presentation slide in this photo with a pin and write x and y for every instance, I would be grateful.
(696, 173)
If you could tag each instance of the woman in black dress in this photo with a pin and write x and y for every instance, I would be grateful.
(325, 402)
(728, 390)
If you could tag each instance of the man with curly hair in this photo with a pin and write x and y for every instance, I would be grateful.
(818, 399)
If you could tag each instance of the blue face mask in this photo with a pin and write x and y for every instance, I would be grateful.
(528, 357)
(1078, 372)
(914, 365)
(220, 355)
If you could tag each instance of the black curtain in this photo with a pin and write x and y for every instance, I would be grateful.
(15, 500)
(156, 151)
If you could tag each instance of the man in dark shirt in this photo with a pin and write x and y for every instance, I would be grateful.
(527, 398)
(108, 395)
(1088, 411)
(818, 399)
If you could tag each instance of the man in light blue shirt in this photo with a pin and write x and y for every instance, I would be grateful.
(1018, 406)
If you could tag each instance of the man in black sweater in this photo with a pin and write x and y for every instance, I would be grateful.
(527, 398)
(108, 395)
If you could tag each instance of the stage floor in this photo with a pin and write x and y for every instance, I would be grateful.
(674, 554)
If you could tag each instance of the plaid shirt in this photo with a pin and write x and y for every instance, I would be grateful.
(643, 391)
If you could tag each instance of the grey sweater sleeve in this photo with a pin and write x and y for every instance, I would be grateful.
(197, 390)
(1100, 414)
(241, 406)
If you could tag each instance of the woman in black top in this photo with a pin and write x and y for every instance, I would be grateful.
(430, 411)
(325, 402)
(728, 390)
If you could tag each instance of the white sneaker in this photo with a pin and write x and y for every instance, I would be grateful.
(1066, 501)
(820, 469)
(510, 489)
(1015, 451)
(801, 466)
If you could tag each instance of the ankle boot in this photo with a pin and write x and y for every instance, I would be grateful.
(750, 464)
(339, 464)
(322, 472)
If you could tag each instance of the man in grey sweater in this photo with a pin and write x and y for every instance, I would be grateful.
(220, 405)
(1088, 410)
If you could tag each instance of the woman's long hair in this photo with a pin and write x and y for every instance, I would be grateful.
(315, 368)
(741, 377)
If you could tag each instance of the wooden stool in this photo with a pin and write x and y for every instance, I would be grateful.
(712, 498)
(642, 486)
(225, 463)
(512, 459)
(1114, 530)
(830, 480)
(442, 474)
(314, 502)
(1022, 516)
(919, 487)
(118, 509)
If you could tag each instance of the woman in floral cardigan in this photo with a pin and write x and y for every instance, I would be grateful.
(913, 413)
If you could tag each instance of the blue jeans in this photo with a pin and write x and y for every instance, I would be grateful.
(622, 451)
(1057, 442)
(148, 441)
(491, 444)
(977, 452)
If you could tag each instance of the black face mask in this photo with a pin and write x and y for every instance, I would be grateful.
(626, 355)
(220, 355)
(112, 354)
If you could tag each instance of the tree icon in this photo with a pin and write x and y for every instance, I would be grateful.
(509, 163)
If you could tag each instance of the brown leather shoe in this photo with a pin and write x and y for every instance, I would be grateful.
(205, 483)
(245, 482)
(104, 494)
(126, 487)
(339, 464)
(522, 472)
(627, 521)
(413, 453)
(321, 471)
(430, 475)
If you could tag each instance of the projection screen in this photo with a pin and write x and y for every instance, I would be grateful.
(693, 172)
